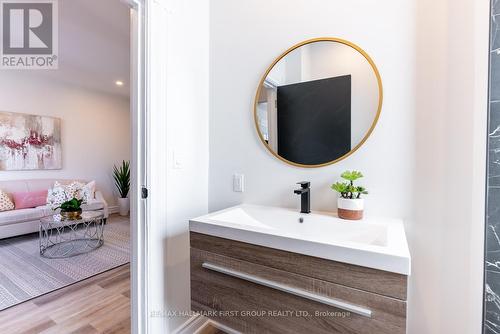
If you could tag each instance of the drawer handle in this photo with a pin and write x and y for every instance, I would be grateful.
(288, 289)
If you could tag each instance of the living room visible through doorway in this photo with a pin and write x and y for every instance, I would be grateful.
(67, 169)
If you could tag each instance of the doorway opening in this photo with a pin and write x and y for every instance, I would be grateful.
(77, 132)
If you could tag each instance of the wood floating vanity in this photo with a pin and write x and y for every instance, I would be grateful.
(241, 282)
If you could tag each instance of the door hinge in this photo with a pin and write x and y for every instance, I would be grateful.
(144, 192)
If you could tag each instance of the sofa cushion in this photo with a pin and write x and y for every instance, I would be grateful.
(6, 203)
(14, 186)
(39, 184)
(93, 205)
(30, 199)
(83, 191)
(57, 195)
(47, 210)
(61, 193)
(20, 216)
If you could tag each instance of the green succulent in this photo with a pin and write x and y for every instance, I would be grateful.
(348, 189)
(351, 175)
(340, 187)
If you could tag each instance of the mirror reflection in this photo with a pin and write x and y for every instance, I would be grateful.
(318, 103)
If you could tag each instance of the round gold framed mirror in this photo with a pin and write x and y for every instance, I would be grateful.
(318, 102)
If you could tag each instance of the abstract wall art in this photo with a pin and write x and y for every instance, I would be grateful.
(29, 142)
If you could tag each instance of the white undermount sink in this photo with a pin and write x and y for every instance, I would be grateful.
(378, 243)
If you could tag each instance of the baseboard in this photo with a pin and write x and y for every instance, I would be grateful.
(191, 325)
(113, 209)
(197, 323)
(218, 325)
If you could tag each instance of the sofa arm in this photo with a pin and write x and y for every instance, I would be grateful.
(99, 197)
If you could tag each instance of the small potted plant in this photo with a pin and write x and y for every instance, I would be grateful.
(350, 204)
(121, 176)
(71, 209)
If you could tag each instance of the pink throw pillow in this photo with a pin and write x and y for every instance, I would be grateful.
(32, 199)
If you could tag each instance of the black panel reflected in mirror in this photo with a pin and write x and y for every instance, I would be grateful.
(318, 102)
(314, 120)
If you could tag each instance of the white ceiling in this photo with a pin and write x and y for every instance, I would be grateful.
(94, 45)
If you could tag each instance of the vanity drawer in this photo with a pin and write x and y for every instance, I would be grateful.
(366, 279)
(306, 305)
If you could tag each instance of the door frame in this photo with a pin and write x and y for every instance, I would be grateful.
(139, 95)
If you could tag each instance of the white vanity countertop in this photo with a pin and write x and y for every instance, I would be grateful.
(378, 243)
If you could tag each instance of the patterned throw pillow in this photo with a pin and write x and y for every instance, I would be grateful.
(6, 203)
(61, 193)
(88, 191)
(72, 189)
(84, 191)
(57, 195)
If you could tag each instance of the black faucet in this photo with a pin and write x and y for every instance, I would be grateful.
(305, 196)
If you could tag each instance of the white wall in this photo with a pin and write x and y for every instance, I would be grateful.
(425, 161)
(244, 40)
(447, 229)
(179, 123)
(95, 127)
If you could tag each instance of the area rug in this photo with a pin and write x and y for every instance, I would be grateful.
(24, 274)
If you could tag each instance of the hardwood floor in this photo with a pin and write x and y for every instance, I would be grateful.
(209, 329)
(100, 304)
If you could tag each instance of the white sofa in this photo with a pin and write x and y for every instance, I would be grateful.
(23, 221)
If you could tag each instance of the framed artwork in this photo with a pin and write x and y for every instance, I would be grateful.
(29, 142)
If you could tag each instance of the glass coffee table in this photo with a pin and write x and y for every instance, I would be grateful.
(62, 238)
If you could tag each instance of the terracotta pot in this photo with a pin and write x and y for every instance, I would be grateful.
(350, 209)
(124, 206)
(71, 215)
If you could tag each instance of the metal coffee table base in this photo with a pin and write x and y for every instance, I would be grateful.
(63, 239)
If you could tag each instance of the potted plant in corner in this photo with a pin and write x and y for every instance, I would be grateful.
(121, 176)
(71, 209)
(350, 204)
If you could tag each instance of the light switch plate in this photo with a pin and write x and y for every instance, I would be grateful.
(238, 183)
(177, 160)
